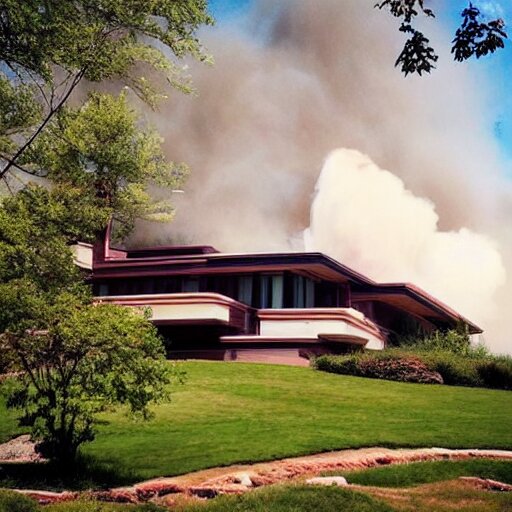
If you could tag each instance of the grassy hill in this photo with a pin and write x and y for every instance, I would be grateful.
(233, 412)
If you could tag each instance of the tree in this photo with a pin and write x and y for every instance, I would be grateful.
(90, 162)
(89, 358)
(100, 150)
(72, 358)
(49, 47)
(473, 38)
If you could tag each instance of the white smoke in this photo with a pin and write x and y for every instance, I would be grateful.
(364, 216)
(270, 110)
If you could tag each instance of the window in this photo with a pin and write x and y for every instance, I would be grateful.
(271, 291)
(303, 292)
(245, 289)
(330, 295)
(190, 284)
(103, 289)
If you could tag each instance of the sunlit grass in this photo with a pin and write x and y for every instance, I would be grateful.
(406, 475)
(232, 412)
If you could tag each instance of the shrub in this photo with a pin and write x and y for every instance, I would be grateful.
(456, 341)
(344, 365)
(403, 369)
(496, 373)
(455, 369)
(424, 366)
(11, 501)
(383, 365)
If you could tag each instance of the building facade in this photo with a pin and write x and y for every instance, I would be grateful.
(275, 307)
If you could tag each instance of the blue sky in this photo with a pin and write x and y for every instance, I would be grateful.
(497, 68)
(225, 9)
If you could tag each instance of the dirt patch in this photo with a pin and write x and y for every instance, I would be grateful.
(460, 494)
(487, 484)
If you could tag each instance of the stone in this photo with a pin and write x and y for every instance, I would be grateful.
(244, 479)
(338, 481)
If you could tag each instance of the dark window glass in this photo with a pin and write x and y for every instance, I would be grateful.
(271, 291)
(190, 284)
(327, 295)
(245, 289)
(303, 292)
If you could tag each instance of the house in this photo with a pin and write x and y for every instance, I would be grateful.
(279, 307)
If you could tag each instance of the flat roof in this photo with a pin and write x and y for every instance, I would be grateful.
(205, 260)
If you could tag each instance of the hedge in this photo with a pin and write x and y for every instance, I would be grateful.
(432, 367)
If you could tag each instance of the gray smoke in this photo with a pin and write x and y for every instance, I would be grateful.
(310, 78)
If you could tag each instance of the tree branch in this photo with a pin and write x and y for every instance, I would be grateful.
(48, 118)
(17, 166)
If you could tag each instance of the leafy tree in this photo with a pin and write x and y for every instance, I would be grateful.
(37, 227)
(73, 358)
(48, 47)
(90, 162)
(474, 38)
(99, 150)
(88, 359)
(477, 38)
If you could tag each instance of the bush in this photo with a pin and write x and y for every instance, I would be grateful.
(476, 368)
(403, 369)
(455, 370)
(384, 365)
(344, 365)
(496, 373)
(456, 341)
(11, 501)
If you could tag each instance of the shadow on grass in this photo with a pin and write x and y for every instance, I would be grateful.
(88, 473)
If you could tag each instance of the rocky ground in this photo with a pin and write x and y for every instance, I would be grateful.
(242, 478)
(19, 449)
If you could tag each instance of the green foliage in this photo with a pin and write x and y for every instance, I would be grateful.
(460, 362)
(88, 358)
(11, 501)
(456, 369)
(496, 372)
(456, 341)
(37, 227)
(99, 150)
(103, 39)
(18, 112)
(448, 354)
(48, 47)
(384, 365)
(74, 359)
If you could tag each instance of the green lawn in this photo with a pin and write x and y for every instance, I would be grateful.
(417, 473)
(275, 499)
(233, 412)
(292, 498)
(8, 423)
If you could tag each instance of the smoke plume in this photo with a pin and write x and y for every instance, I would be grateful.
(364, 214)
(306, 78)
